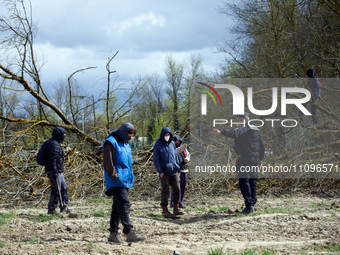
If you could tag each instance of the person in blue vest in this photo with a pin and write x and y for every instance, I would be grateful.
(165, 159)
(119, 178)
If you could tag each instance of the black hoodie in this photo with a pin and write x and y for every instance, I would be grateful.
(165, 157)
(55, 153)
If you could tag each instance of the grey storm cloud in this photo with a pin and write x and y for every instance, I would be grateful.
(76, 34)
(137, 25)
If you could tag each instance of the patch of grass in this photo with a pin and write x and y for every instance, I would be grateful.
(138, 212)
(97, 201)
(276, 210)
(334, 248)
(156, 216)
(103, 224)
(2, 244)
(332, 213)
(8, 215)
(248, 252)
(45, 218)
(5, 217)
(222, 208)
(201, 209)
(35, 240)
(268, 252)
(271, 210)
(57, 251)
(101, 213)
(219, 251)
(216, 251)
(91, 245)
(240, 215)
(318, 205)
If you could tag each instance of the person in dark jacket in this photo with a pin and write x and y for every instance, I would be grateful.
(54, 168)
(119, 178)
(249, 145)
(165, 160)
(313, 84)
(183, 159)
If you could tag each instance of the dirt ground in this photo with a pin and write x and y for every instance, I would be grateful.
(289, 224)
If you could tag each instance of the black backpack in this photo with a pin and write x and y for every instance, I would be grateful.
(42, 153)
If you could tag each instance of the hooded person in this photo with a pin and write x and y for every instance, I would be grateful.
(314, 86)
(119, 178)
(165, 159)
(54, 168)
(183, 159)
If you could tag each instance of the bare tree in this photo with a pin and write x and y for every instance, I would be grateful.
(69, 79)
(282, 39)
(108, 92)
(19, 34)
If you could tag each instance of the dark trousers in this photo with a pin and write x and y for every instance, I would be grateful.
(313, 111)
(167, 181)
(120, 210)
(183, 180)
(54, 196)
(247, 180)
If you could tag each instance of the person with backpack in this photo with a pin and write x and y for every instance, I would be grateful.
(51, 155)
(119, 178)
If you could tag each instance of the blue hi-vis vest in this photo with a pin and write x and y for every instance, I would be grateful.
(123, 165)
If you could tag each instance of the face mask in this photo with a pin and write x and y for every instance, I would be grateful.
(166, 138)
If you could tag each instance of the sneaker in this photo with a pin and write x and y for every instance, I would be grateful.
(65, 209)
(133, 236)
(53, 212)
(115, 238)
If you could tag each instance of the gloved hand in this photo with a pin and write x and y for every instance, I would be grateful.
(53, 175)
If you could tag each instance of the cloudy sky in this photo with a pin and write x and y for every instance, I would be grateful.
(77, 34)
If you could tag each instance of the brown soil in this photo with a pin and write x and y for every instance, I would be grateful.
(288, 224)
